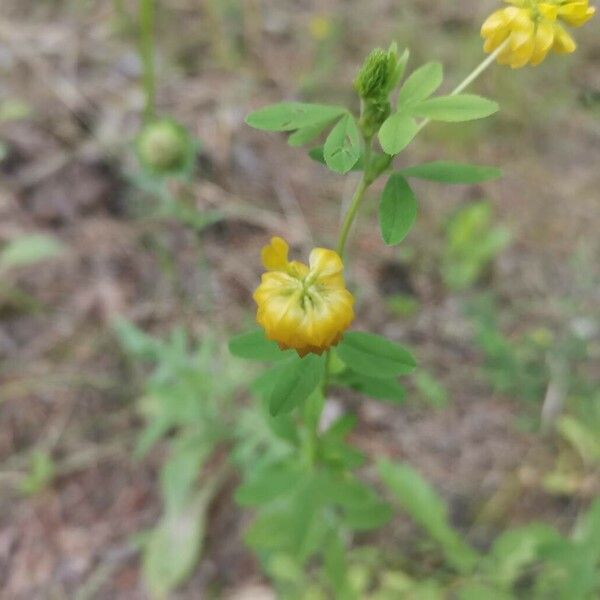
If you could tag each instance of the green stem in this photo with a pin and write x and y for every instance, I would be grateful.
(355, 203)
(147, 19)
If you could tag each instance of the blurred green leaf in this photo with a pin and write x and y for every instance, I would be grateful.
(268, 483)
(431, 389)
(515, 550)
(40, 474)
(174, 546)
(182, 469)
(29, 249)
(583, 439)
(428, 510)
(13, 110)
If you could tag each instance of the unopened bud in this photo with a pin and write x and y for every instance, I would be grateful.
(163, 146)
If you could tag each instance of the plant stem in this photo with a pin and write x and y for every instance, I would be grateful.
(357, 198)
(472, 76)
(147, 19)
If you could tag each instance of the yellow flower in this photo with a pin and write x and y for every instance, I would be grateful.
(320, 27)
(531, 28)
(306, 308)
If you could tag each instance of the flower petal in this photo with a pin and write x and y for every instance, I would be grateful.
(576, 13)
(275, 255)
(563, 42)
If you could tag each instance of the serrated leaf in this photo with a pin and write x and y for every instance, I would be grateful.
(397, 210)
(29, 249)
(452, 172)
(342, 146)
(288, 116)
(253, 345)
(455, 108)
(421, 83)
(297, 379)
(397, 132)
(374, 355)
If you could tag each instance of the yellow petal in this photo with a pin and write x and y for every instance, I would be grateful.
(549, 11)
(576, 13)
(563, 42)
(544, 38)
(324, 263)
(496, 22)
(275, 255)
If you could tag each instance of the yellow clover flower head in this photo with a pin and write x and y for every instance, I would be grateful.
(529, 29)
(306, 308)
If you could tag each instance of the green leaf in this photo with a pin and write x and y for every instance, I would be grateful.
(459, 107)
(181, 470)
(29, 249)
(174, 546)
(421, 84)
(374, 355)
(584, 439)
(297, 380)
(424, 506)
(288, 116)
(306, 134)
(397, 210)
(336, 567)
(515, 550)
(253, 345)
(397, 132)
(135, 341)
(452, 172)
(373, 387)
(342, 146)
(401, 67)
(371, 516)
(268, 484)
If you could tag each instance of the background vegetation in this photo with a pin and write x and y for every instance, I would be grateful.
(119, 291)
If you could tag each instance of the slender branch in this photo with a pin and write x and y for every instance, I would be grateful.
(357, 198)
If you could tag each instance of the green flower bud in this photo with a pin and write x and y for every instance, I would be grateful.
(380, 73)
(164, 146)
